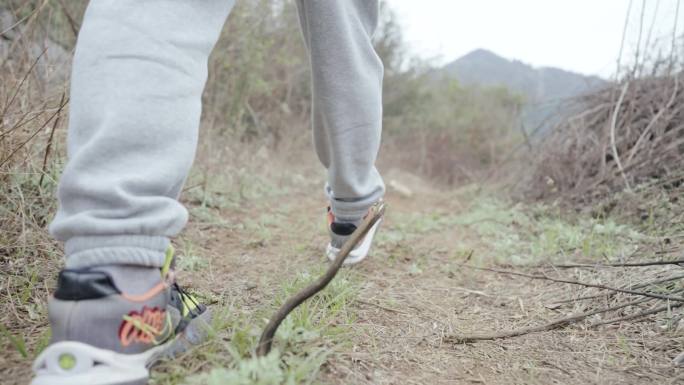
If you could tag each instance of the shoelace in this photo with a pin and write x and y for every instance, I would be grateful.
(185, 295)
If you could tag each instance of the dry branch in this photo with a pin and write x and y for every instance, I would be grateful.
(612, 134)
(578, 283)
(639, 286)
(628, 264)
(561, 322)
(33, 134)
(62, 102)
(640, 120)
(644, 313)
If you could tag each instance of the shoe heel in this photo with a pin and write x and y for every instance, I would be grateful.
(76, 363)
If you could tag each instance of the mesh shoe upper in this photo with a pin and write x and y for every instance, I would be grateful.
(89, 307)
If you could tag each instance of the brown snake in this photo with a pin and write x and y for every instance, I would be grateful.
(374, 215)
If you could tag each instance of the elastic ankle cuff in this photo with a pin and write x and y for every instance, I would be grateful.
(352, 212)
(349, 216)
(141, 250)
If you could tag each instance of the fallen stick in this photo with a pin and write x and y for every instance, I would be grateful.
(375, 214)
(639, 286)
(385, 308)
(577, 283)
(561, 322)
(637, 315)
(631, 264)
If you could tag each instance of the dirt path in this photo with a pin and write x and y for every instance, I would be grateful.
(412, 295)
(386, 321)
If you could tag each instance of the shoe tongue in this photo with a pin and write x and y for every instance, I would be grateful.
(132, 279)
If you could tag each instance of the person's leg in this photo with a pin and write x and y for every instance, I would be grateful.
(137, 80)
(347, 109)
(347, 99)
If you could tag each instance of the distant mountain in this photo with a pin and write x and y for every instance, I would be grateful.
(543, 88)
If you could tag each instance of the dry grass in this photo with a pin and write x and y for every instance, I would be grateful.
(417, 295)
(619, 156)
(32, 110)
(623, 136)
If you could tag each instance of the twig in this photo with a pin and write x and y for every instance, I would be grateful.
(49, 144)
(650, 28)
(622, 43)
(654, 120)
(612, 134)
(267, 335)
(585, 284)
(469, 291)
(638, 44)
(389, 309)
(639, 286)
(637, 315)
(629, 264)
(561, 322)
(673, 50)
(33, 135)
(11, 27)
(72, 23)
(21, 122)
(21, 83)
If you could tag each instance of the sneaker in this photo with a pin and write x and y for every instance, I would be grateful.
(103, 336)
(340, 232)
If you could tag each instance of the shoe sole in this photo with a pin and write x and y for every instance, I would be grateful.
(95, 366)
(359, 253)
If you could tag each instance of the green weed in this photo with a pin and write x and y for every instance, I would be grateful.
(208, 216)
(257, 371)
(188, 259)
(521, 234)
(303, 343)
(16, 341)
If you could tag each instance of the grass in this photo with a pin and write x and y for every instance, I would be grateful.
(188, 259)
(259, 371)
(28, 262)
(232, 186)
(519, 233)
(324, 331)
(534, 233)
(16, 341)
(304, 342)
(329, 332)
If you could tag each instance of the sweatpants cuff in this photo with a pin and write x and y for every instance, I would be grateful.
(353, 211)
(141, 250)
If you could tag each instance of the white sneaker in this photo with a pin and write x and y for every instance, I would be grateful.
(340, 232)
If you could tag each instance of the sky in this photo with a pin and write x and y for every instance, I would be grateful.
(578, 35)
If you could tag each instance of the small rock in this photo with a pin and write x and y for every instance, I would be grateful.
(400, 188)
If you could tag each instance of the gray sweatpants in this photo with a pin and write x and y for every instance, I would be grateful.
(138, 73)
